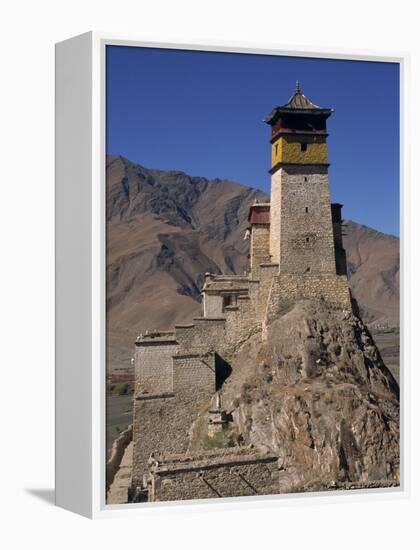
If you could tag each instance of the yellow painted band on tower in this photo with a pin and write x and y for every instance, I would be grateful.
(289, 149)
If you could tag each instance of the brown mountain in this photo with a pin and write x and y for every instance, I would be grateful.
(165, 229)
(373, 265)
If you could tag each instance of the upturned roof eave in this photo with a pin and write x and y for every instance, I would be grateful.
(278, 111)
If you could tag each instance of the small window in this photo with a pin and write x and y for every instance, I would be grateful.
(303, 146)
(308, 269)
(305, 178)
(306, 209)
(307, 239)
(276, 148)
(227, 301)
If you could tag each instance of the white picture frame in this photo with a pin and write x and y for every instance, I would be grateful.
(80, 278)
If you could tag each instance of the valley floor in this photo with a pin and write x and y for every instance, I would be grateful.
(389, 346)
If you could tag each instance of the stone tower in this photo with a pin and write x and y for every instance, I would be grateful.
(301, 231)
(296, 252)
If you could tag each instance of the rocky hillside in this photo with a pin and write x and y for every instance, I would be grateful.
(373, 262)
(166, 229)
(317, 394)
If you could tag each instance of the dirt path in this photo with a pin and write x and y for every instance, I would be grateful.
(118, 491)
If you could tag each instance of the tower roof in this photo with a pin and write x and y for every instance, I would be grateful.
(259, 213)
(298, 104)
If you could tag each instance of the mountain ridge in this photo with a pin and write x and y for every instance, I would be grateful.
(165, 229)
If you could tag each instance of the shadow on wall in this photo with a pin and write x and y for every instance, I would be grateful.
(223, 371)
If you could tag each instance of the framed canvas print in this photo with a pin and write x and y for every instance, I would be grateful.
(228, 264)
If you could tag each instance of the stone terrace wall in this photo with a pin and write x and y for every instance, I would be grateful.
(241, 321)
(202, 336)
(194, 373)
(162, 422)
(224, 473)
(247, 317)
(152, 418)
(287, 288)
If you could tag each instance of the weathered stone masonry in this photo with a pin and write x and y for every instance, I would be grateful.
(213, 475)
(162, 417)
(296, 253)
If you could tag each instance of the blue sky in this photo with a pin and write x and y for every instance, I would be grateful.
(202, 113)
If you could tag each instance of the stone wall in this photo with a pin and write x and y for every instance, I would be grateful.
(162, 421)
(275, 209)
(216, 474)
(194, 373)
(260, 247)
(259, 290)
(301, 237)
(212, 305)
(152, 419)
(287, 288)
(153, 364)
(241, 321)
(205, 334)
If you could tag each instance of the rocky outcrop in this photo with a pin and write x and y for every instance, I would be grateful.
(317, 393)
(314, 393)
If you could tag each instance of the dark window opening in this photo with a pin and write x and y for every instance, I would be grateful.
(276, 148)
(305, 179)
(307, 239)
(303, 146)
(308, 269)
(227, 301)
(306, 209)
